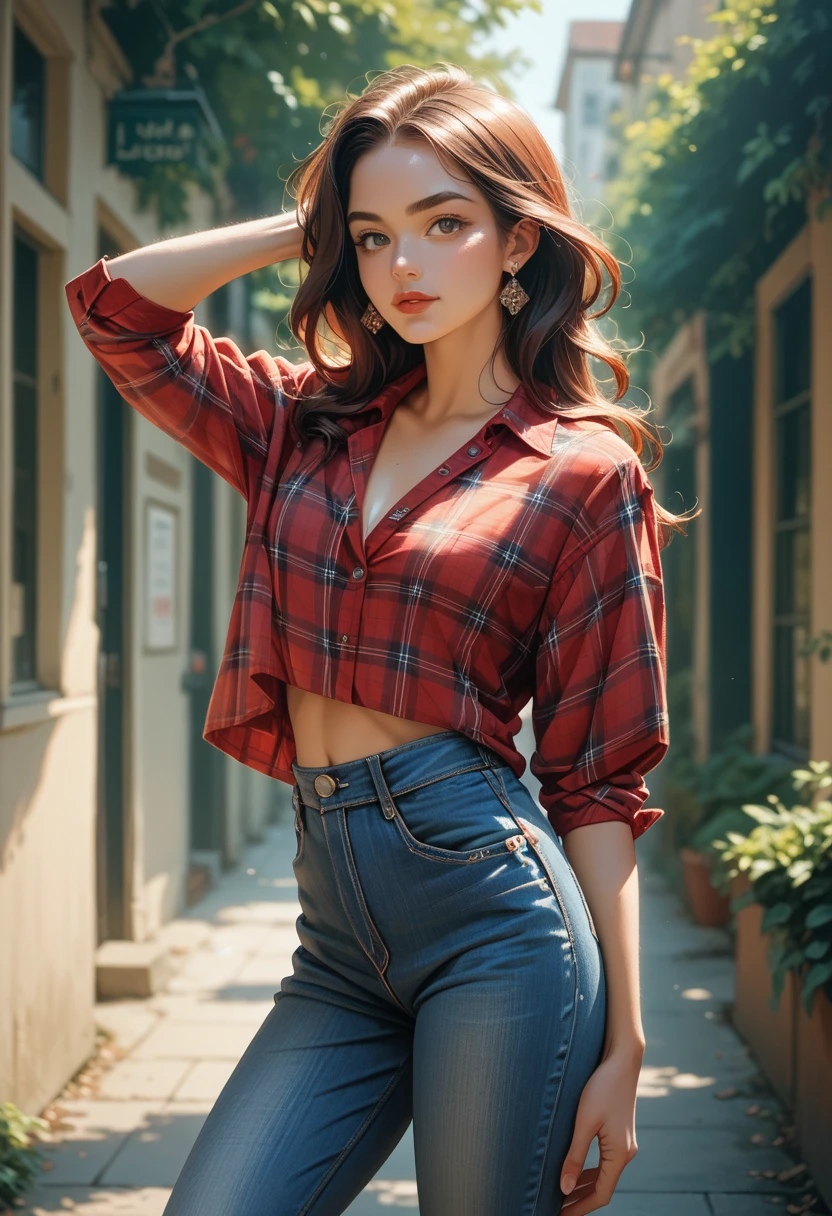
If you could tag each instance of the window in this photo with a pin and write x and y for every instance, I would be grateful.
(25, 456)
(679, 559)
(592, 109)
(792, 536)
(28, 104)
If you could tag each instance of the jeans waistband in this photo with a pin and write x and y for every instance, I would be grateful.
(394, 771)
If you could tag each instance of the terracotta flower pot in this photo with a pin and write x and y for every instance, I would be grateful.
(813, 1102)
(707, 905)
(769, 1034)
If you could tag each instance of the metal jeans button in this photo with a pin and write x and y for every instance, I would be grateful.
(325, 785)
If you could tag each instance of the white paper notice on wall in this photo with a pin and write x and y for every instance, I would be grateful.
(160, 577)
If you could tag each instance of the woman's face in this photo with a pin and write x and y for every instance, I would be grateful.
(417, 229)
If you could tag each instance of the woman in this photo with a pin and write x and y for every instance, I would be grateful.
(444, 522)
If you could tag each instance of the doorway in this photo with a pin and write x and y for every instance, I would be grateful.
(113, 425)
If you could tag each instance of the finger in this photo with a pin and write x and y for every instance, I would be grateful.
(573, 1164)
(599, 1195)
(584, 1187)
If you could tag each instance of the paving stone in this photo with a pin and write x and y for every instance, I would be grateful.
(182, 935)
(155, 1153)
(192, 1007)
(139, 1078)
(692, 1159)
(688, 1060)
(195, 1041)
(670, 985)
(205, 1080)
(99, 1130)
(128, 1021)
(242, 939)
(96, 1201)
(264, 972)
(747, 1205)
(656, 1205)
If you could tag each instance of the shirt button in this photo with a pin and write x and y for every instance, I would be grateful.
(345, 637)
(443, 470)
(358, 572)
(472, 451)
(299, 444)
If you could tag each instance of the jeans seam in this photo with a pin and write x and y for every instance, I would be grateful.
(559, 1090)
(349, 916)
(356, 1136)
(556, 891)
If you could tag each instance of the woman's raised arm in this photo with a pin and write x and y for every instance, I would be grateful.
(182, 270)
(135, 315)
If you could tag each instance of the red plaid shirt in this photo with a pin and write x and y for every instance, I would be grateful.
(524, 567)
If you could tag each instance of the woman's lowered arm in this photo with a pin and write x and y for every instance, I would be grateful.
(603, 857)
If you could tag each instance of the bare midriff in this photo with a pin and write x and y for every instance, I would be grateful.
(335, 732)
(332, 732)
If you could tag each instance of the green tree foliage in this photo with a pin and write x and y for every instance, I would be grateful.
(714, 175)
(270, 69)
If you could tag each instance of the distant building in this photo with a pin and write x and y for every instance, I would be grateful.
(587, 93)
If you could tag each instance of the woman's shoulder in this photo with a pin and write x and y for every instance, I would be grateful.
(592, 450)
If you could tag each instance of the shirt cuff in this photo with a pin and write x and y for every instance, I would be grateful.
(95, 290)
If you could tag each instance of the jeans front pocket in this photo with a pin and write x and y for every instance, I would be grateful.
(498, 777)
(456, 819)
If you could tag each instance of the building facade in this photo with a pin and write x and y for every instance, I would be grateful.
(119, 557)
(587, 95)
(751, 583)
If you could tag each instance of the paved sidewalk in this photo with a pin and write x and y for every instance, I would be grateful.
(703, 1149)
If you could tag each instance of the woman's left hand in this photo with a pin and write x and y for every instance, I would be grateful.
(607, 1109)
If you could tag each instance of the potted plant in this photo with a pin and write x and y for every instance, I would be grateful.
(786, 861)
(729, 777)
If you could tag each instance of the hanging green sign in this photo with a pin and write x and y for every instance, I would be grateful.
(159, 126)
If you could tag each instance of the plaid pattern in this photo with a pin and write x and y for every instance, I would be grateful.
(525, 567)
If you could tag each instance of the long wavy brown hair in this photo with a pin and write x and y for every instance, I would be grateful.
(476, 132)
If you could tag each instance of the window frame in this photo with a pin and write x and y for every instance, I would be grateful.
(780, 619)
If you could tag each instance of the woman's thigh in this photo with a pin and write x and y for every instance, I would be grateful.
(507, 1034)
(320, 1098)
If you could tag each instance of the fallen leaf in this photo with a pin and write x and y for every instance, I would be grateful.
(792, 1172)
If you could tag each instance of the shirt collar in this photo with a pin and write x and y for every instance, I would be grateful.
(520, 413)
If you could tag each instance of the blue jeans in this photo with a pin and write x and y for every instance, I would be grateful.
(448, 973)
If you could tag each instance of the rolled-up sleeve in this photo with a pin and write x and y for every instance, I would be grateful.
(224, 407)
(599, 710)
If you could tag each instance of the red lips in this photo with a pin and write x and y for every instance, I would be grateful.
(402, 296)
(412, 301)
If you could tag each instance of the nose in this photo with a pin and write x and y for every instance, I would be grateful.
(403, 267)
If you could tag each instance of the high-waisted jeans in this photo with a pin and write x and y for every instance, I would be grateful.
(448, 973)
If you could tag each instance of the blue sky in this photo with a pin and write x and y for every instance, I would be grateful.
(543, 37)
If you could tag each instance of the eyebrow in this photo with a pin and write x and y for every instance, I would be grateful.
(423, 204)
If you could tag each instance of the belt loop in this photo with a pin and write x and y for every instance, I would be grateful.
(486, 755)
(388, 807)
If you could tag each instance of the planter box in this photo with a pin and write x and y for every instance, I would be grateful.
(813, 1104)
(707, 905)
(771, 1036)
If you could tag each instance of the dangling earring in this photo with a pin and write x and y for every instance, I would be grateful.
(372, 319)
(513, 297)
